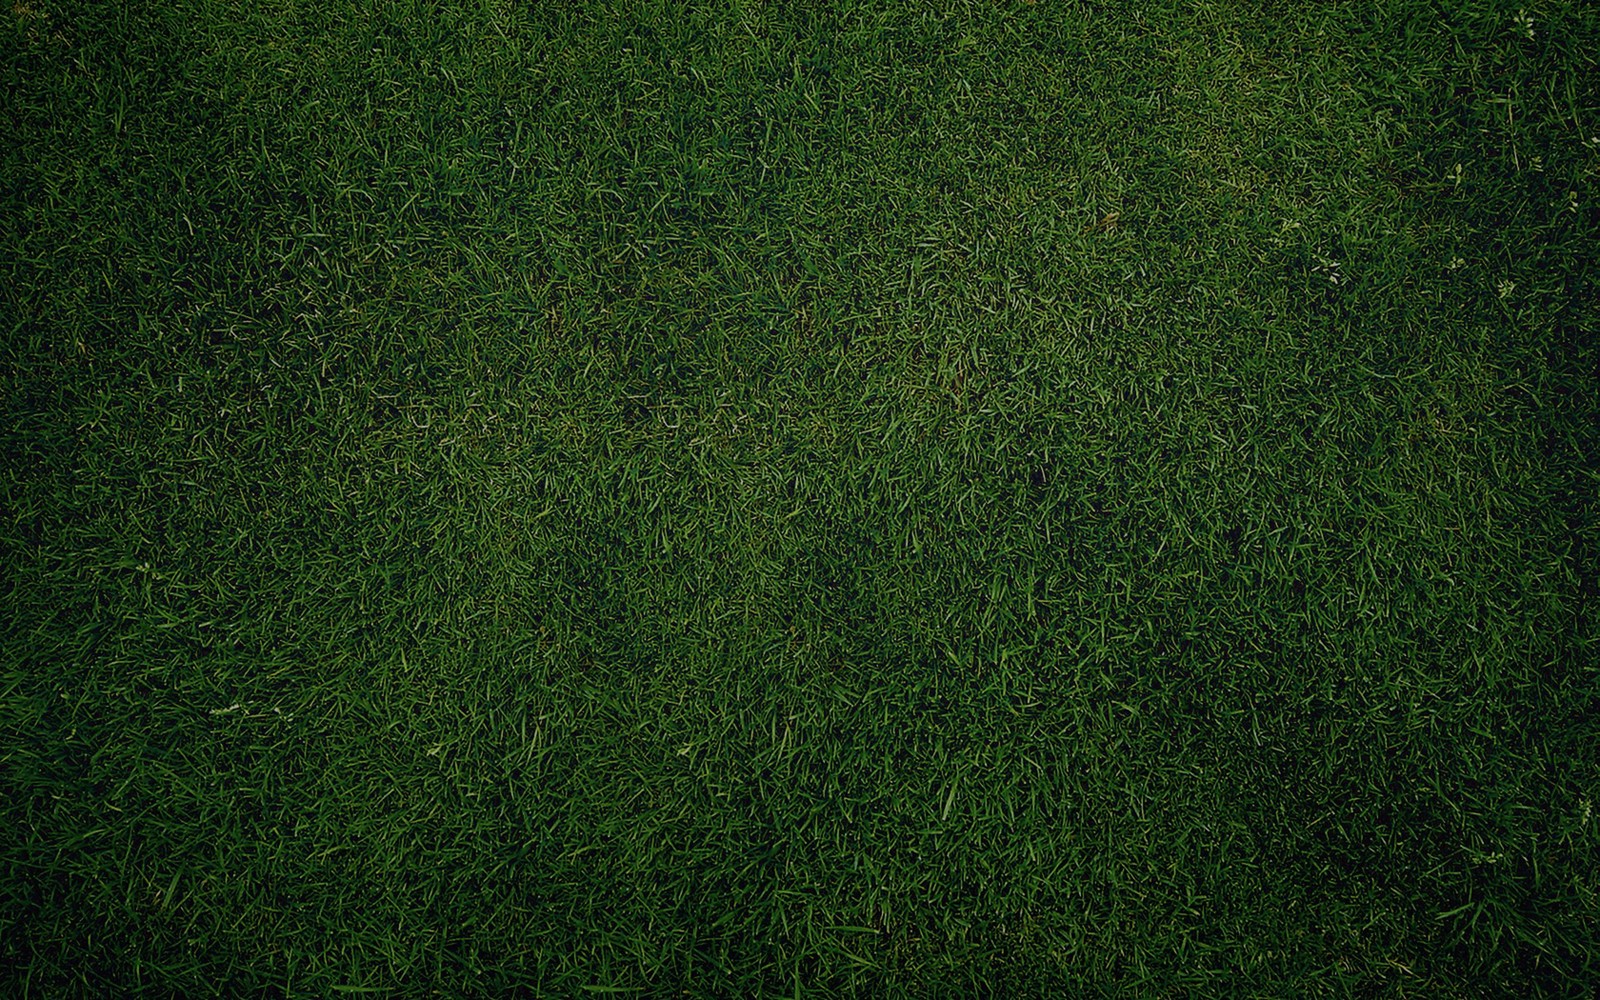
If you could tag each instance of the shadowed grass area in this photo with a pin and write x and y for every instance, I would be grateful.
(880, 499)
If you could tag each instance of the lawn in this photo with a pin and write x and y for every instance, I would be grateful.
(882, 499)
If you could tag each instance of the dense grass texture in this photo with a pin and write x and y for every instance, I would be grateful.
(883, 499)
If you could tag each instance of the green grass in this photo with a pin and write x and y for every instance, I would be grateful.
(883, 499)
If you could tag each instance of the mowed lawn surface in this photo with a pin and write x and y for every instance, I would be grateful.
(750, 499)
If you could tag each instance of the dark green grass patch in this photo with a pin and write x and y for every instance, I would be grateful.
(793, 500)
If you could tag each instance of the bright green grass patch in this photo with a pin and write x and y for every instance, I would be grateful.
(761, 500)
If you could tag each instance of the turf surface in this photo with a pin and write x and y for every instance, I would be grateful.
(882, 499)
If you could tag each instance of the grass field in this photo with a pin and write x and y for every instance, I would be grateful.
(927, 499)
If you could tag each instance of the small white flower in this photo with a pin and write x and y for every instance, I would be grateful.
(1524, 21)
(1456, 264)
